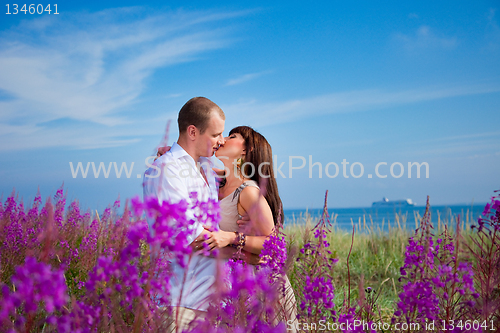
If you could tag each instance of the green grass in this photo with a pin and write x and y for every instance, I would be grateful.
(375, 259)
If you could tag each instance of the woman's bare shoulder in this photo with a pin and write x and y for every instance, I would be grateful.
(249, 195)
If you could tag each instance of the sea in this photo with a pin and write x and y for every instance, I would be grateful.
(382, 219)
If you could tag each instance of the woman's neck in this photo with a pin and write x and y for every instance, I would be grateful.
(234, 180)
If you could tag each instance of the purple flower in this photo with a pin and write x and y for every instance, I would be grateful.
(274, 255)
(34, 282)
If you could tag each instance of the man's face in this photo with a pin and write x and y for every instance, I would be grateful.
(209, 141)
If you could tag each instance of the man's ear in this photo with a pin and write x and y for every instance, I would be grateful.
(192, 132)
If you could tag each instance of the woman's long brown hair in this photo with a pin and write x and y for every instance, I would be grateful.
(258, 151)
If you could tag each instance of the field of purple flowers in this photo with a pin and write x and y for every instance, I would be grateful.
(63, 270)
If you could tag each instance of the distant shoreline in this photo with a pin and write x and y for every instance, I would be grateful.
(370, 207)
(382, 217)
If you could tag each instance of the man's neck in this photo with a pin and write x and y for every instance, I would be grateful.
(184, 145)
(190, 150)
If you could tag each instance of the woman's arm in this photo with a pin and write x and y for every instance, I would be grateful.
(221, 239)
(261, 223)
(225, 252)
(255, 206)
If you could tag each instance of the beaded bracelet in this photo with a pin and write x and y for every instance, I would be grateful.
(241, 240)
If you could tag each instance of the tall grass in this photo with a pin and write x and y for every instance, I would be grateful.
(62, 270)
(376, 255)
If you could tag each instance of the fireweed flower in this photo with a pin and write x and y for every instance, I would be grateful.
(419, 296)
(490, 219)
(89, 242)
(206, 213)
(171, 227)
(274, 255)
(60, 204)
(128, 266)
(315, 267)
(485, 251)
(248, 298)
(13, 232)
(437, 286)
(346, 321)
(244, 301)
(34, 283)
(318, 295)
(123, 270)
(118, 272)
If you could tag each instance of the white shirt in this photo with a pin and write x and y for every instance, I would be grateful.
(179, 177)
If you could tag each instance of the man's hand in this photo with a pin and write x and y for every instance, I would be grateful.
(251, 258)
(197, 244)
(219, 172)
(220, 239)
(230, 252)
(244, 224)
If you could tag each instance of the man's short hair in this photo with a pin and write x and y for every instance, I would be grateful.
(197, 112)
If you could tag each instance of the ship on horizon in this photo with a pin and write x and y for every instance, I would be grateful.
(395, 203)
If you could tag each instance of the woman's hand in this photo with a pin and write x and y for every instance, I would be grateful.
(161, 151)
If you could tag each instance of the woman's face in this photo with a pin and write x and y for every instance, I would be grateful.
(232, 148)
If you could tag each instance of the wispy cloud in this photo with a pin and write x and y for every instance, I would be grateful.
(245, 78)
(468, 136)
(455, 149)
(492, 31)
(425, 37)
(477, 156)
(173, 95)
(482, 144)
(262, 114)
(90, 66)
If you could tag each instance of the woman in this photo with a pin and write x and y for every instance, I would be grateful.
(247, 159)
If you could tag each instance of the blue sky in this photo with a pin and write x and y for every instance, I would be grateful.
(361, 81)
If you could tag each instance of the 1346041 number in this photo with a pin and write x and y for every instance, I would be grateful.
(31, 9)
(467, 325)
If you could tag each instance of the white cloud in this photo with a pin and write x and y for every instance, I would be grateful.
(173, 95)
(90, 66)
(477, 156)
(454, 148)
(81, 134)
(262, 114)
(245, 78)
(492, 31)
(478, 143)
(468, 136)
(424, 37)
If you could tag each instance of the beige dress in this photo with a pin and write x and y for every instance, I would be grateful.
(229, 215)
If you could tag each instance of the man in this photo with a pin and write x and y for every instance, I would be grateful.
(186, 168)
